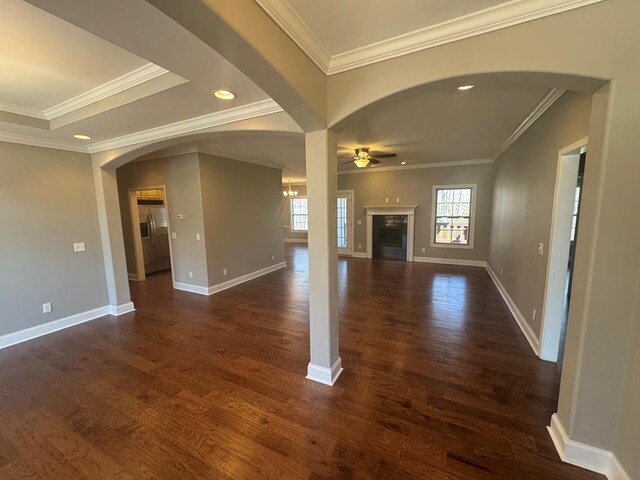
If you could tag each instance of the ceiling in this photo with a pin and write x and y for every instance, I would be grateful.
(427, 125)
(118, 80)
(343, 25)
(113, 74)
(45, 61)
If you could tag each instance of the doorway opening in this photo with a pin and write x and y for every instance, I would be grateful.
(562, 249)
(150, 227)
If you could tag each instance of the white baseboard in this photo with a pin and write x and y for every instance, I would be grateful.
(359, 255)
(245, 278)
(295, 240)
(62, 323)
(325, 375)
(451, 261)
(188, 287)
(583, 455)
(531, 337)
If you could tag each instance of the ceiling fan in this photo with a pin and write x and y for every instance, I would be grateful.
(364, 157)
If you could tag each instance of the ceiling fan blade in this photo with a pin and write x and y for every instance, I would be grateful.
(373, 161)
(347, 163)
(383, 155)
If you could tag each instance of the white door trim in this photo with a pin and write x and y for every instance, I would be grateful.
(558, 251)
(408, 210)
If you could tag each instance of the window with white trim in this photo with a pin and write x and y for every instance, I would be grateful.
(453, 216)
(299, 214)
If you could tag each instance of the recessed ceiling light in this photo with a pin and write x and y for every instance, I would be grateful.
(82, 137)
(224, 94)
(403, 163)
(465, 87)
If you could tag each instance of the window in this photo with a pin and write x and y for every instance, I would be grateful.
(299, 216)
(453, 216)
(574, 220)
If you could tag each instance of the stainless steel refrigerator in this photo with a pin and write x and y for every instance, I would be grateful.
(154, 230)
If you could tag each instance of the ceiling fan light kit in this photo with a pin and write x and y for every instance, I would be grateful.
(364, 158)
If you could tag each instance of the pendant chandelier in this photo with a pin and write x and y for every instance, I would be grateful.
(289, 192)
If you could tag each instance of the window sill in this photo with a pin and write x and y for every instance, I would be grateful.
(452, 245)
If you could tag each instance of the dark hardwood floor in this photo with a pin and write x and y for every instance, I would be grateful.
(439, 383)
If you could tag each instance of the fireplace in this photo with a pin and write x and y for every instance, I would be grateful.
(394, 231)
(390, 237)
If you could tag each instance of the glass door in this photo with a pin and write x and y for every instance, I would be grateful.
(345, 223)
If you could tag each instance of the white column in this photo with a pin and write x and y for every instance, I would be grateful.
(322, 181)
(115, 264)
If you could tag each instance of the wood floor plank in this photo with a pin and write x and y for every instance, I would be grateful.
(439, 384)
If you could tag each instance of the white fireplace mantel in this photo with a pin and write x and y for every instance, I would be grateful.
(408, 210)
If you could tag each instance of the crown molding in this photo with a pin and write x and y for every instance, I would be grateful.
(129, 80)
(20, 110)
(501, 16)
(547, 101)
(289, 21)
(419, 166)
(244, 112)
(41, 142)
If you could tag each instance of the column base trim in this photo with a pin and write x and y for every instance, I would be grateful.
(582, 455)
(327, 376)
(117, 310)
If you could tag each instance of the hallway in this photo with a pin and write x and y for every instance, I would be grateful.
(439, 383)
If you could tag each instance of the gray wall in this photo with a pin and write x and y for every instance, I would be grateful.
(47, 203)
(286, 213)
(242, 205)
(627, 443)
(523, 201)
(414, 187)
(181, 177)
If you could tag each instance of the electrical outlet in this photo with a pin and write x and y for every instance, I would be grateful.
(197, 236)
(224, 272)
(541, 249)
(501, 271)
(424, 249)
(190, 274)
(46, 307)
(397, 199)
(180, 216)
(359, 222)
(273, 257)
(386, 200)
(79, 247)
(174, 235)
(533, 314)
(359, 246)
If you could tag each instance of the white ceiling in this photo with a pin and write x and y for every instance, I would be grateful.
(51, 56)
(428, 125)
(343, 25)
(45, 61)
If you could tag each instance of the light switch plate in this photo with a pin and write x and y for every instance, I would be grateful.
(359, 222)
(180, 216)
(541, 249)
(197, 236)
(46, 307)
(174, 235)
(79, 247)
